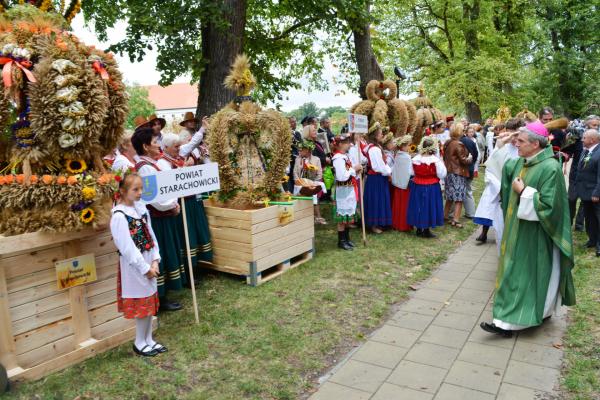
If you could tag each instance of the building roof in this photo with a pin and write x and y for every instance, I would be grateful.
(175, 96)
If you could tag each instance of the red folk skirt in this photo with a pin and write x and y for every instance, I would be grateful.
(399, 209)
(135, 307)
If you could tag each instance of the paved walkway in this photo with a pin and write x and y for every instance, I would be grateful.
(433, 348)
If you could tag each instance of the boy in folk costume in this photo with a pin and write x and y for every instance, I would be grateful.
(425, 208)
(402, 170)
(346, 190)
(378, 210)
(139, 257)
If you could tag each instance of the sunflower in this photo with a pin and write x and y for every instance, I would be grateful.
(413, 148)
(88, 193)
(87, 215)
(76, 166)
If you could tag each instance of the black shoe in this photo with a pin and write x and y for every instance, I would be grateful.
(166, 305)
(491, 328)
(159, 348)
(481, 240)
(589, 244)
(598, 250)
(342, 244)
(428, 234)
(419, 232)
(347, 237)
(578, 228)
(146, 351)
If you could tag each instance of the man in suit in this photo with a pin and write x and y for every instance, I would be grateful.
(588, 186)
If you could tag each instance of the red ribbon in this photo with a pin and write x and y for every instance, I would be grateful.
(97, 65)
(7, 69)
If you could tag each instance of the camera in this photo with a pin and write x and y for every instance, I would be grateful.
(575, 129)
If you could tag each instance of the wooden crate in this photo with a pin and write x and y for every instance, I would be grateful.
(43, 329)
(254, 244)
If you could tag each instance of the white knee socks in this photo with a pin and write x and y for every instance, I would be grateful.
(149, 340)
(140, 333)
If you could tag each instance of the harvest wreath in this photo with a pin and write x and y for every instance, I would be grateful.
(62, 106)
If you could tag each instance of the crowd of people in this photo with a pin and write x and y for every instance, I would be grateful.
(397, 185)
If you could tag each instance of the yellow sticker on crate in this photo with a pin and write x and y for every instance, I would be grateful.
(75, 271)
(286, 214)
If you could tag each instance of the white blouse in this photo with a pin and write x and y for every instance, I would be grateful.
(377, 163)
(134, 264)
(121, 163)
(342, 174)
(440, 168)
(186, 149)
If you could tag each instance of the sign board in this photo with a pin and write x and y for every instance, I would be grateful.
(181, 182)
(285, 214)
(75, 271)
(358, 123)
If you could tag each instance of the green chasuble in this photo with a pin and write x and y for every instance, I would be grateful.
(526, 250)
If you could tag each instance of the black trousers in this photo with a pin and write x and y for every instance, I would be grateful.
(592, 220)
(572, 209)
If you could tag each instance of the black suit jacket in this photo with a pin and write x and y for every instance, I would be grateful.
(588, 176)
(472, 147)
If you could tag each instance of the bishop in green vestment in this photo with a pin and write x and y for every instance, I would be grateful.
(536, 254)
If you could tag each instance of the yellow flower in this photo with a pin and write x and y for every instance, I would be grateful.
(413, 148)
(75, 166)
(88, 193)
(285, 178)
(87, 215)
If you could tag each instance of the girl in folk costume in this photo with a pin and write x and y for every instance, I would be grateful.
(166, 220)
(402, 170)
(425, 208)
(308, 166)
(138, 264)
(389, 149)
(346, 190)
(378, 210)
(198, 233)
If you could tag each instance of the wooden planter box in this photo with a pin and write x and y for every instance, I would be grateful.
(43, 329)
(256, 245)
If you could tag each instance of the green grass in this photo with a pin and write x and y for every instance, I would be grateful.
(581, 371)
(270, 342)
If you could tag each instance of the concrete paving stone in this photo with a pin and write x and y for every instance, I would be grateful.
(476, 295)
(417, 376)
(451, 392)
(483, 275)
(464, 307)
(531, 376)
(439, 284)
(421, 307)
(487, 266)
(361, 376)
(512, 392)
(432, 354)
(432, 294)
(381, 354)
(546, 356)
(465, 258)
(388, 391)
(478, 284)
(547, 334)
(445, 336)
(473, 376)
(458, 267)
(333, 391)
(409, 320)
(449, 319)
(396, 336)
(451, 275)
(482, 354)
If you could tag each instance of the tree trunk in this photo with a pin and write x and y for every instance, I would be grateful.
(473, 111)
(220, 46)
(368, 67)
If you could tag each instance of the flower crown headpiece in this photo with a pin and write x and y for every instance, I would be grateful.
(402, 140)
(429, 148)
(306, 144)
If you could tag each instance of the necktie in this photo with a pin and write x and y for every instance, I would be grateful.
(583, 156)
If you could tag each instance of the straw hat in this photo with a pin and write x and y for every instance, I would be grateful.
(140, 121)
(153, 118)
(189, 116)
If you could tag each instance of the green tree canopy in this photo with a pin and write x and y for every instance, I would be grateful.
(139, 104)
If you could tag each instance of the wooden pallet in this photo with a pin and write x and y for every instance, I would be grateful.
(254, 243)
(43, 329)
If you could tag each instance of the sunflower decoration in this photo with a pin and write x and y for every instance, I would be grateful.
(413, 148)
(75, 166)
(88, 193)
(87, 215)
